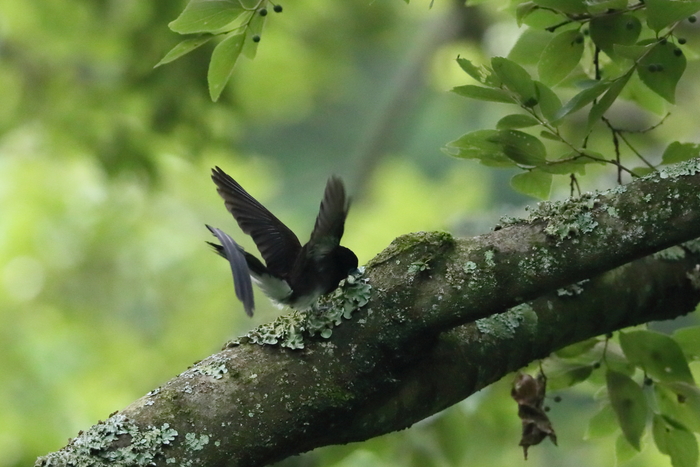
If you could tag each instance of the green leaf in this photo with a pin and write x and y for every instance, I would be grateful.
(679, 152)
(523, 148)
(663, 13)
(575, 164)
(206, 16)
(549, 135)
(597, 7)
(255, 27)
(223, 59)
(548, 101)
(523, 10)
(630, 406)
(624, 451)
(675, 441)
(562, 375)
(608, 30)
(478, 145)
(583, 98)
(565, 6)
(661, 69)
(681, 401)
(560, 57)
(516, 121)
(529, 46)
(184, 47)
(689, 340)
(602, 424)
(483, 94)
(633, 52)
(515, 78)
(574, 350)
(639, 93)
(535, 183)
(480, 73)
(610, 96)
(657, 354)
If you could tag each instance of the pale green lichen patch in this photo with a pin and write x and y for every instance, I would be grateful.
(488, 256)
(572, 289)
(116, 441)
(214, 366)
(689, 167)
(693, 246)
(194, 443)
(504, 325)
(694, 277)
(673, 253)
(470, 267)
(289, 330)
(418, 266)
(566, 220)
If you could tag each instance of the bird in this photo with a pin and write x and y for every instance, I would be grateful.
(293, 275)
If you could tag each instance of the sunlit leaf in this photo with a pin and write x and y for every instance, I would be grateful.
(184, 47)
(583, 98)
(663, 13)
(599, 108)
(639, 93)
(523, 10)
(630, 405)
(206, 16)
(624, 451)
(547, 100)
(571, 162)
(516, 79)
(535, 183)
(529, 46)
(596, 7)
(478, 145)
(632, 52)
(577, 349)
(560, 57)
(255, 28)
(522, 147)
(480, 73)
(516, 121)
(608, 30)
(662, 68)
(679, 152)
(562, 375)
(565, 6)
(223, 59)
(657, 354)
(675, 441)
(482, 93)
(681, 401)
(602, 424)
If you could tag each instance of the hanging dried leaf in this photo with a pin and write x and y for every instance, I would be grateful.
(529, 393)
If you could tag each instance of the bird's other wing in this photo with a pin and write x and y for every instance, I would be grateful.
(330, 222)
(233, 252)
(278, 245)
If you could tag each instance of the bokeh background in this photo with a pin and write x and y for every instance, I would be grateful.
(107, 288)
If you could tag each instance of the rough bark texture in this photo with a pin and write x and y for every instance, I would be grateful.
(417, 347)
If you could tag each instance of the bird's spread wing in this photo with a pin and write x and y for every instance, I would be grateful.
(278, 245)
(239, 268)
(330, 222)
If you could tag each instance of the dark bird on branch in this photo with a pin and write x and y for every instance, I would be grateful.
(292, 275)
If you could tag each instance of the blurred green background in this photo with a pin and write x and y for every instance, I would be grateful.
(107, 288)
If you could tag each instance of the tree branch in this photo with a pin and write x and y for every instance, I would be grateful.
(417, 346)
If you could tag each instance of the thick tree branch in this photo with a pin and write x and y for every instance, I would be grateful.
(416, 347)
